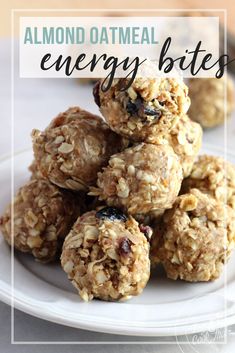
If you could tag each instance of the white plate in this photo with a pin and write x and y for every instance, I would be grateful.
(165, 308)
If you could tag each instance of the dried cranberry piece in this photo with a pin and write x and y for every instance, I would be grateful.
(146, 230)
(115, 280)
(112, 214)
(96, 93)
(59, 120)
(124, 248)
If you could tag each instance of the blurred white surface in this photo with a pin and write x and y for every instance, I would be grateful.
(34, 105)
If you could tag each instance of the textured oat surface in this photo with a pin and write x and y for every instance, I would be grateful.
(74, 147)
(185, 137)
(215, 176)
(141, 179)
(196, 237)
(208, 100)
(145, 108)
(34, 170)
(106, 258)
(43, 216)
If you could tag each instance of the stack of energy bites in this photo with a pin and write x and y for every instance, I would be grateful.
(109, 192)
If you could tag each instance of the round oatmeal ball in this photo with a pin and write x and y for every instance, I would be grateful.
(197, 237)
(43, 216)
(106, 255)
(208, 100)
(185, 137)
(214, 176)
(74, 147)
(141, 179)
(145, 108)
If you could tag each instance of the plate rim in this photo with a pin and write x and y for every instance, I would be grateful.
(185, 329)
(123, 329)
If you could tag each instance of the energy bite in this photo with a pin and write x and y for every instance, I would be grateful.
(185, 137)
(208, 100)
(74, 147)
(43, 216)
(197, 237)
(106, 256)
(214, 176)
(141, 179)
(145, 108)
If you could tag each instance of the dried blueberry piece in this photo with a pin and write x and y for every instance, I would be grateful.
(137, 107)
(152, 112)
(96, 93)
(133, 107)
(112, 214)
(124, 248)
